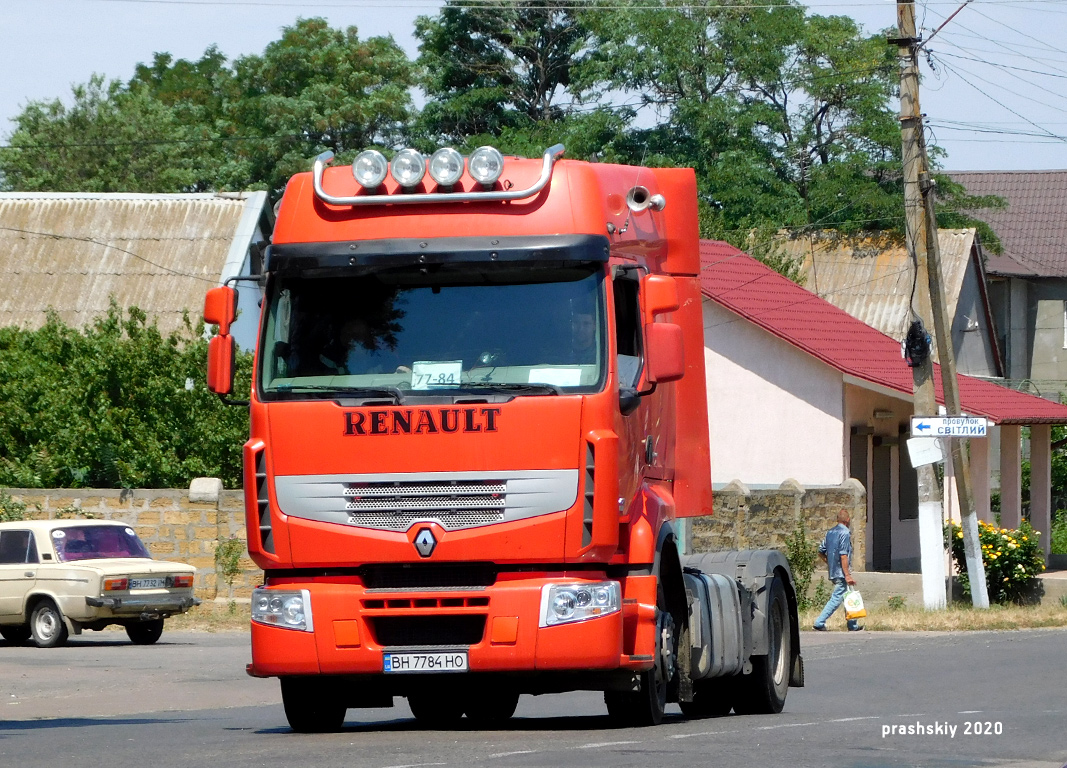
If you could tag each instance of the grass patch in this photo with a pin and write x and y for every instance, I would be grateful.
(956, 618)
(213, 617)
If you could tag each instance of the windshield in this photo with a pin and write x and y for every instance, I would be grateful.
(91, 542)
(444, 330)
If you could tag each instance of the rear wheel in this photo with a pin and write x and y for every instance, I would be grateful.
(435, 709)
(487, 708)
(16, 634)
(310, 707)
(145, 632)
(645, 707)
(46, 625)
(763, 692)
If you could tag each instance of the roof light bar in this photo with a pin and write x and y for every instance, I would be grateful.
(446, 166)
(486, 165)
(548, 160)
(369, 168)
(408, 168)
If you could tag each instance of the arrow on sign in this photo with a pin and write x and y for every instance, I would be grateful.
(922, 425)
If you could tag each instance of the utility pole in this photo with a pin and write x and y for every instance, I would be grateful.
(930, 299)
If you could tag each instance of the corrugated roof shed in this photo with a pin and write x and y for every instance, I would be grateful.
(871, 277)
(73, 251)
(758, 294)
(1033, 228)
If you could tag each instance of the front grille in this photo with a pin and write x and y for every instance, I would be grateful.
(427, 630)
(459, 576)
(396, 505)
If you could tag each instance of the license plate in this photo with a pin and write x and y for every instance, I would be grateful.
(429, 661)
(148, 583)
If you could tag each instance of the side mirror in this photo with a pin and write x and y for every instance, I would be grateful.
(220, 308)
(660, 295)
(664, 352)
(220, 364)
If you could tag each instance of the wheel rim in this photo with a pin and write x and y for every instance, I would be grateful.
(47, 624)
(778, 650)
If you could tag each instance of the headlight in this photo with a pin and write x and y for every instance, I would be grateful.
(485, 165)
(291, 610)
(564, 603)
(446, 166)
(408, 167)
(369, 168)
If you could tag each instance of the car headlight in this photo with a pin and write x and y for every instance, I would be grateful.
(564, 603)
(291, 610)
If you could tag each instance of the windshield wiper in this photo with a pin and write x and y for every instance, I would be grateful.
(393, 392)
(543, 389)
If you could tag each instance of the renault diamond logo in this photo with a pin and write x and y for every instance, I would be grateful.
(425, 543)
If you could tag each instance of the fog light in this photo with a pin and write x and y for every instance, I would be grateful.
(446, 166)
(286, 609)
(565, 603)
(408, 168)
(369, 168)
(485, 165)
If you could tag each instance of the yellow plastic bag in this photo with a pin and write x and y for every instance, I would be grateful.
(854, 605)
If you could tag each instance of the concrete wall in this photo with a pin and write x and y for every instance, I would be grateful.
(170, 525)
(763, 519)
(774, 411)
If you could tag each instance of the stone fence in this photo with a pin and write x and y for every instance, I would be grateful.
(764, 519)
(186, 526)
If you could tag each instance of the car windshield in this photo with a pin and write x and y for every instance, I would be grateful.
(91, 542)
(447, 330)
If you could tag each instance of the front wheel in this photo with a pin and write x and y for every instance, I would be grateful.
(47, 627)
(16, 634)
(145, 632)
(310, 707)
(763, 692)
(645, 707)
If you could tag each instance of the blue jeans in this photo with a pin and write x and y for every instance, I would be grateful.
(836, 598)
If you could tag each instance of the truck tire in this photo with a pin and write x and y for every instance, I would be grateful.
(16, 634)
(711, 698)
(47, 626)
(145, 632)
(645, 707)
(488, 708)
(310, 708)
(434, 709)
(763, 691)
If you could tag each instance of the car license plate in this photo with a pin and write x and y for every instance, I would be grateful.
(148, 583)
(427, 661)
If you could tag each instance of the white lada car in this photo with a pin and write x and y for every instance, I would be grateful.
(63, 576)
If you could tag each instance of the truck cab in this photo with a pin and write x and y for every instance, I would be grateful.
(478, 409)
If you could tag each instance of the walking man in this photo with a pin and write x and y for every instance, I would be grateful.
(836, 552)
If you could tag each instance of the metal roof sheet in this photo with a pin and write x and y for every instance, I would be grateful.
(758, 294)
(73, 252)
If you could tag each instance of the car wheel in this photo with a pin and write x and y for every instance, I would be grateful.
(16, 634)
(763, 692)
(488, 708)
(645, 707)
(47, 627)
(145, 632)
(311, 707)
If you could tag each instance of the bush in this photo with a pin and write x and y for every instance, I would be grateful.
(228, 560)
(1012, 560)
(109, 406)
(802, 554)
(11, 511)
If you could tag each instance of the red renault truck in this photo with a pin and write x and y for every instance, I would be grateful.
(478, 412)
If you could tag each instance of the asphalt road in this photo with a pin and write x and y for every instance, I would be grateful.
(186, 702)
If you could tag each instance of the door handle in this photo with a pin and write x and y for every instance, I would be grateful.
(30, 574)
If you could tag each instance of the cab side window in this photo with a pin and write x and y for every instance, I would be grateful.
(17, 547)
(627, 331)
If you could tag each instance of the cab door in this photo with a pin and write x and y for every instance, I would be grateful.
(18, 569)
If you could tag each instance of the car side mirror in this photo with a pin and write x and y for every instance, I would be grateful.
(664, 353)
(220, 308)
(221, 356)
(660, 295)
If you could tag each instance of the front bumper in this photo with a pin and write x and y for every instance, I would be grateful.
(354, 626)
(135, 606)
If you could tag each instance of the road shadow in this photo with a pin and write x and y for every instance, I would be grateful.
(10, 728)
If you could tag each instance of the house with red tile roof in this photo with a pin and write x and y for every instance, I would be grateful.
(798, 388)
(1028, 280)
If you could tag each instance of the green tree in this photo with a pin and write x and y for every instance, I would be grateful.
(497, 65)
(109, 407)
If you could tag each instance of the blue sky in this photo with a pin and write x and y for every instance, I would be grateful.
(996, 98)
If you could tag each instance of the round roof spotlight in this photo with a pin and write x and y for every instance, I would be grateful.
(369, 168)
(446, 166)
(485, 165)
(408, 167)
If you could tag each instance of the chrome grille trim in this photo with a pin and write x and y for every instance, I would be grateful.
(454, 500)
